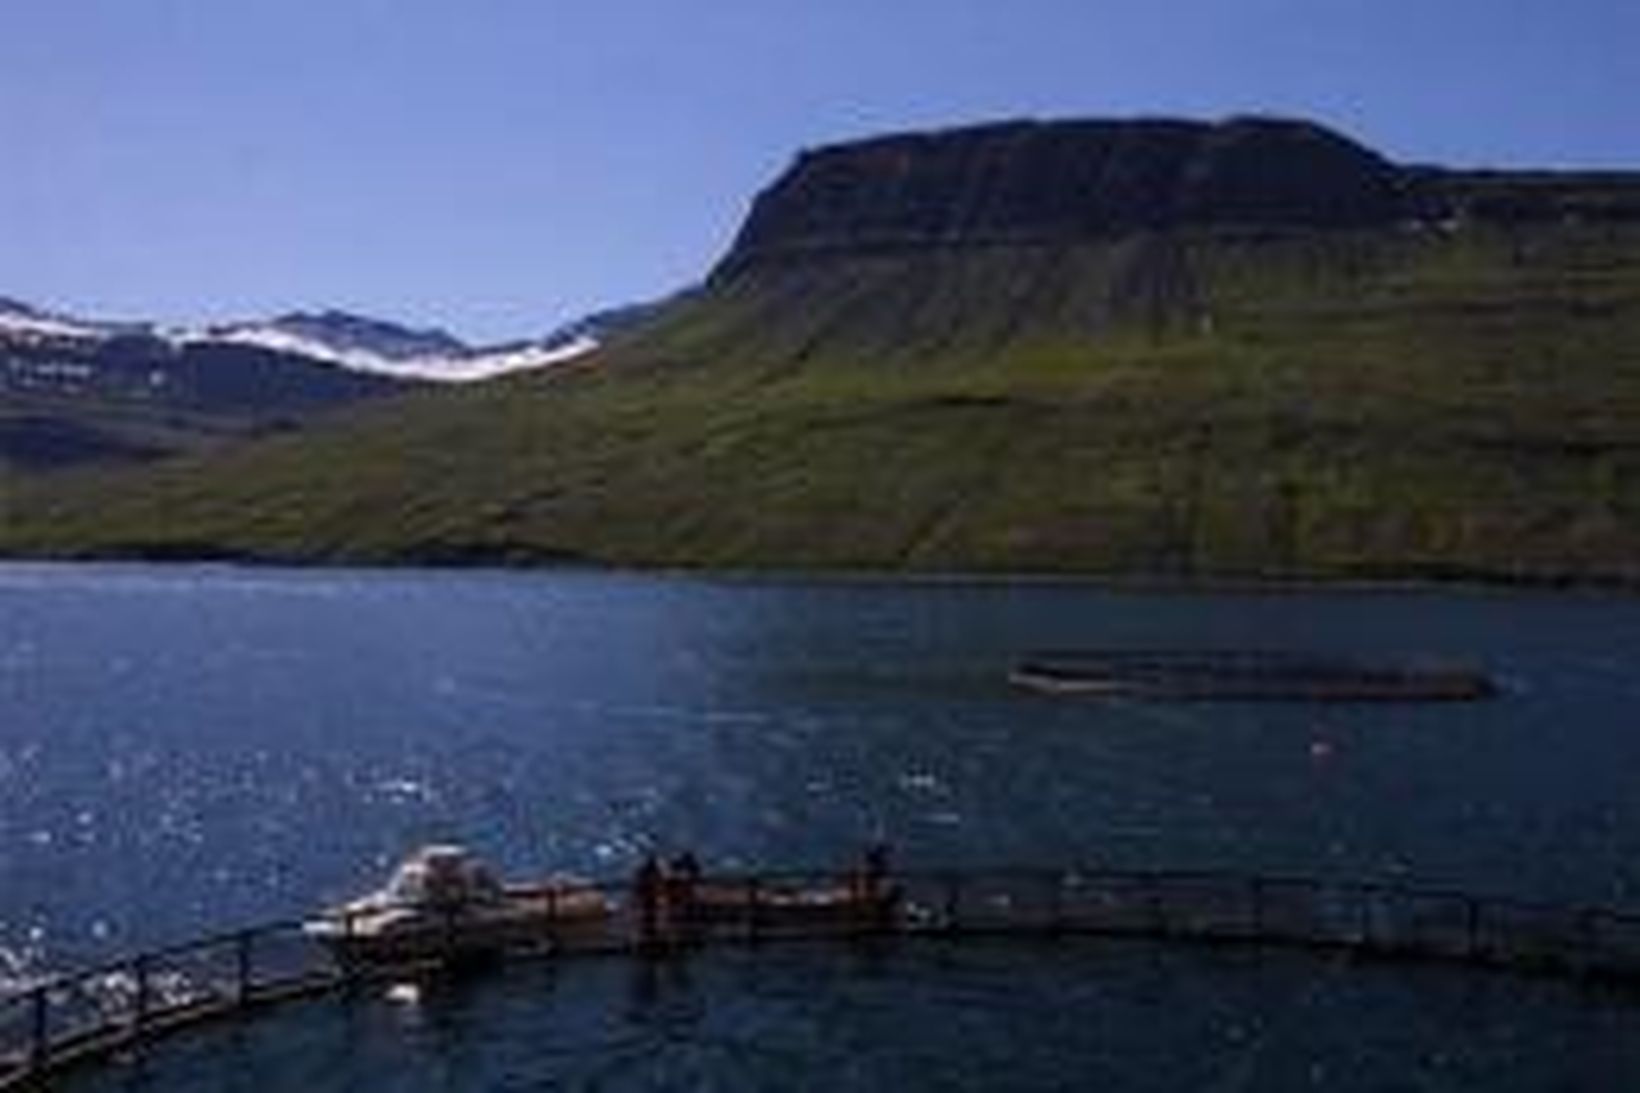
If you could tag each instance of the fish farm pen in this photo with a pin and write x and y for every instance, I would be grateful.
(86, 1016)
(1246, 675)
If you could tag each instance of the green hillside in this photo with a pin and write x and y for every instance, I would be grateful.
(1435, 400)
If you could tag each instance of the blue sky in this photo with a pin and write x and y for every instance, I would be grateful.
(494, 166)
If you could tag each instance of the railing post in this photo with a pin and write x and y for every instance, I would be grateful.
(1153, 904)
(242, 966)
(40, 1030)
(858, 901)
(552, 916)
(139, 1012)
(754, 890)
(350, 964)
(953, 901)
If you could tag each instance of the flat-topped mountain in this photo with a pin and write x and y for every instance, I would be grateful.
(1193, 348)
(1036, 181)
(1068, 181)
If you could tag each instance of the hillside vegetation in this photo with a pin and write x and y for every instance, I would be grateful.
(76, 401)
(1441, 396)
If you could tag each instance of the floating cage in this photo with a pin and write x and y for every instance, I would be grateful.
(1246, 674)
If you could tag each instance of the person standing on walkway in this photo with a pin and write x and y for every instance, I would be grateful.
(682, 880)
(647, 887)
(875, 871)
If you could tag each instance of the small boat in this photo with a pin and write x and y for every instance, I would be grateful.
(1242, 674)
(443, 904)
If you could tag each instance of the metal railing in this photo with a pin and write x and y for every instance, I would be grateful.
(119, 1006)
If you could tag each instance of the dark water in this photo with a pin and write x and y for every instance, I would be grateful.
(926, 1016)
(182, 749)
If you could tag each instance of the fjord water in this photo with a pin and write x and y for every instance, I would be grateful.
(189, 748)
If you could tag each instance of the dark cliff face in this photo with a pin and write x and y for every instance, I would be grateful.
(1057, 182)
(1037, 181)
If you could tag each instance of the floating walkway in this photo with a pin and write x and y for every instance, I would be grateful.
(1246, 675)
(86, 1016)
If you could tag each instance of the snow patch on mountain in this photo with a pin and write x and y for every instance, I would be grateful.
(336, 338)
(18, 320)
(489, 363)
(461, 365)
(346, 332)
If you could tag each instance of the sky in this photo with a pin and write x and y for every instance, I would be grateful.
(497, 166)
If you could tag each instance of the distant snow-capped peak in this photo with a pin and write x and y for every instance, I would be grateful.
(345, 333)
(348, 341)
(19, 320)
(369, 345)
(354, 342)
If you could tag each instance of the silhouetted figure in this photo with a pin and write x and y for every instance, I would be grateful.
(875, 898)
(875, 871)
(682, 879)
(647, 889)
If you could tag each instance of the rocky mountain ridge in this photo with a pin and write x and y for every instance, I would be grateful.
(1066, 181)
(75, 390)
(334, 338)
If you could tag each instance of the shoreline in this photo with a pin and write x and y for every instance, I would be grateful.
(1390, 580)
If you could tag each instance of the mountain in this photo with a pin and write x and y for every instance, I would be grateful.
(1031, 182)
(1249, 347)
(600, 327)
(370, 345)
(339, 337)
(76, 391)
(1024, 183)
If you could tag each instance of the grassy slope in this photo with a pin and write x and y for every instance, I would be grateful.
(1328, 405)
(108, 429)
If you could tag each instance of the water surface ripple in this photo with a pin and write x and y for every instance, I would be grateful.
(192, 747)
